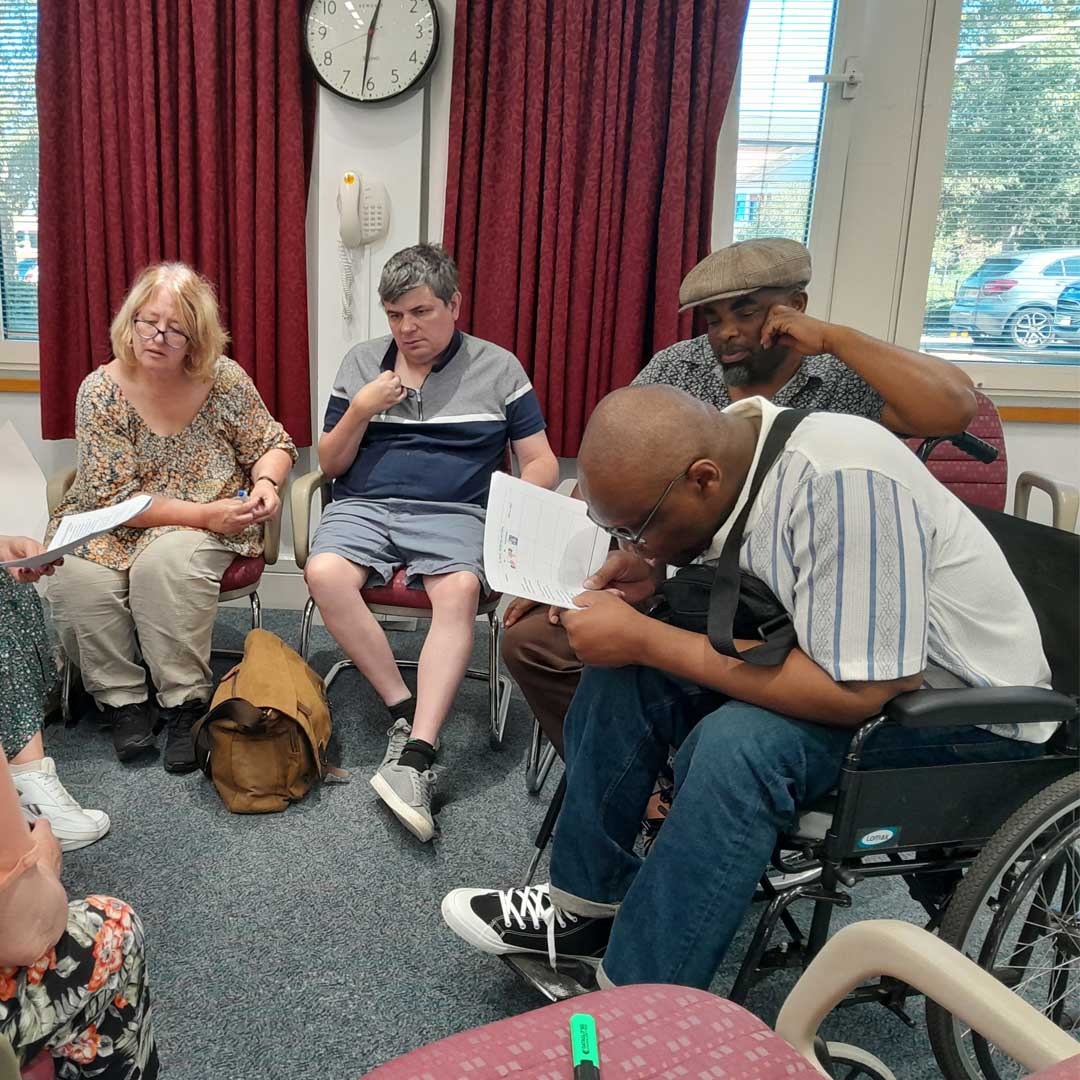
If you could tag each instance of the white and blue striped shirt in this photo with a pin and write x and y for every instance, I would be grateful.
(882, 569)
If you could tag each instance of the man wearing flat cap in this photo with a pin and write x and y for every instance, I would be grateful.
(759, 342)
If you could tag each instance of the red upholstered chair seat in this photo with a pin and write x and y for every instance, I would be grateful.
(969, 480)
(243, 572)
(41, 1068)
(397, 594)
(643, 1031)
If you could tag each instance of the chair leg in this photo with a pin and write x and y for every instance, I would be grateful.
(305, 627)
(256, 611)
(67, 677)
(538, 763)
(547, 827)
(498, 686)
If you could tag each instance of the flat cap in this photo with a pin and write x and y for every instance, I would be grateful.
(769, 262)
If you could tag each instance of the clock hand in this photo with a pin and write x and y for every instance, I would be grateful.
(367, 51)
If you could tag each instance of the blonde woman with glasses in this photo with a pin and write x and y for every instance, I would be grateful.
(171, 417)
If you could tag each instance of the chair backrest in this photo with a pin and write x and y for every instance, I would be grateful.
(975, 482)
(1046, 562)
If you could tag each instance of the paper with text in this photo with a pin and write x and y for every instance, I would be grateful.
(76, 529)
(539, 544)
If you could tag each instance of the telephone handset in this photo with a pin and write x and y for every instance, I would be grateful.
(364, 212)
(364, 207)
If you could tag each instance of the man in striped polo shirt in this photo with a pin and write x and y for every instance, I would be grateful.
(416, 424)
(884, 573)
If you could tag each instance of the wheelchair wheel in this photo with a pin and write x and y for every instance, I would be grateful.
(853, 1063)
(1017, 915)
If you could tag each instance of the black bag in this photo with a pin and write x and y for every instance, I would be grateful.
(724, 601)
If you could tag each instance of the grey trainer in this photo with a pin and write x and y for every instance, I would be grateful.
(408, 794)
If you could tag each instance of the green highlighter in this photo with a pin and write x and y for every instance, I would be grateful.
(584, 1047)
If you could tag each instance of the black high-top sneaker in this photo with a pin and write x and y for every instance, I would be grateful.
(524, 921)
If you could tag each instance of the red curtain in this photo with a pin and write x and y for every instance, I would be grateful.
(580, 181)
(172, 129)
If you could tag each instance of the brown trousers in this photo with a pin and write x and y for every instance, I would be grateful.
(539, 658)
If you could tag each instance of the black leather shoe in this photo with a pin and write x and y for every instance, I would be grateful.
(179, 745)
(133, 730)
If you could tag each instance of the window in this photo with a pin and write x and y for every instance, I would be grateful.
(780, 115)
(1007, 240)
(18, 170)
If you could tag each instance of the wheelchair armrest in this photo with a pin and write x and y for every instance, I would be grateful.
(303, 491)
(272, 536)
(980, 705)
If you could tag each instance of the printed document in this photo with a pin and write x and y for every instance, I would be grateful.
(539, 544)
(76, 529)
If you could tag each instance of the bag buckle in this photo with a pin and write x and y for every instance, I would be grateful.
(775, 623)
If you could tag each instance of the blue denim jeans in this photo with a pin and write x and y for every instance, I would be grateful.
(742, 773)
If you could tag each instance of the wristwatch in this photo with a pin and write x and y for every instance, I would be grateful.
(268, 479)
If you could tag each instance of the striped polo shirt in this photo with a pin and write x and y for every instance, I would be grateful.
(881, 568)
(441, 443)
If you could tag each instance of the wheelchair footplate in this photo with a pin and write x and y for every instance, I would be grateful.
(571, 978)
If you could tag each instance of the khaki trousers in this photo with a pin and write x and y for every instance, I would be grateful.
(539, 658)
(162, 608)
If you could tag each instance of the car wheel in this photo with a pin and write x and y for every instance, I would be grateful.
(1031, 329)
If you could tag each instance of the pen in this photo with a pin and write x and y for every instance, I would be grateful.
(584, 1047)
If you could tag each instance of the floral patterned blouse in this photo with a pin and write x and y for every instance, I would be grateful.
(119, 456)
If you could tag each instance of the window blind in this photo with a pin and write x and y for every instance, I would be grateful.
(780, 114)
(1007, 241)
(18, 170)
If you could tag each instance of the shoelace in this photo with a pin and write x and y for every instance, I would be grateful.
(533, 904)
(424, 786)
(60, 794)
(399, 736)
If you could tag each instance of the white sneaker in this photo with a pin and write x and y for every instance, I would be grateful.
(41, 795)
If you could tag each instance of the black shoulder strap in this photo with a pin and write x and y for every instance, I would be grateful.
(724, 596)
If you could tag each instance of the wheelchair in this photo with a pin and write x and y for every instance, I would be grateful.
(990, 850)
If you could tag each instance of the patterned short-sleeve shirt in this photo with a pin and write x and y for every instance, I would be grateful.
(823, 383)
(211, 459)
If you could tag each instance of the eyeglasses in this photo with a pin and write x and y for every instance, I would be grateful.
(174, 339)
(636, 537)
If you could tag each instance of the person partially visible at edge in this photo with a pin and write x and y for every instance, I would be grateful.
(73, 977)
(168, 416)
(759, 342)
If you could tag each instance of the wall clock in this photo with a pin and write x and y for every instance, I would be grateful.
(371, 50)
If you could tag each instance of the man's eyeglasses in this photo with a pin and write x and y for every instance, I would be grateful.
(174, 339)
(636, 537)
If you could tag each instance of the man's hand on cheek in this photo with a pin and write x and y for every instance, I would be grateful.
(605, 631)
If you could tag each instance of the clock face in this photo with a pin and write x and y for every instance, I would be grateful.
(371, 50)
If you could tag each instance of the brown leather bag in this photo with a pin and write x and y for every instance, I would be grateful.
(263, 740)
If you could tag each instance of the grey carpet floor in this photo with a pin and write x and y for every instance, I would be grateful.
(308, 945)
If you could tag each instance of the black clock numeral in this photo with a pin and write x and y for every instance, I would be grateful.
(348, 72)
(413, 6)
(394, 76)
(329, 7)
(412, 57)
(369, 85)
(322, 31)
(328, 59)
(419, 30)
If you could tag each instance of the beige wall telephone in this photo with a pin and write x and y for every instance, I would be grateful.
(364, 213)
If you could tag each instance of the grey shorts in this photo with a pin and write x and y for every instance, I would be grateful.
(387, 534)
